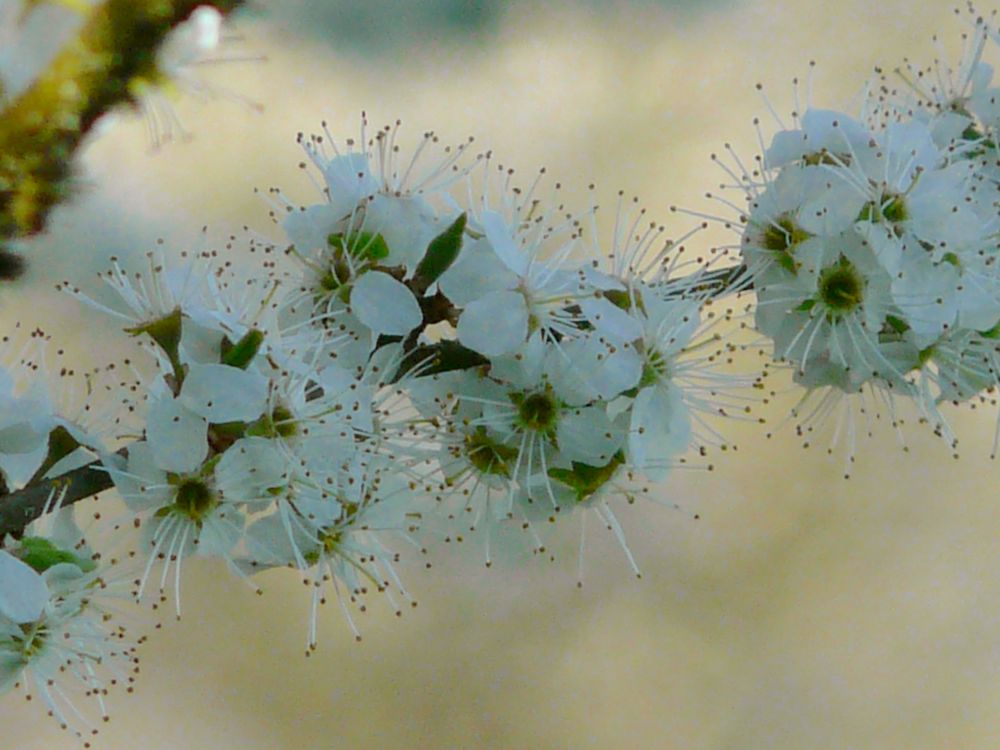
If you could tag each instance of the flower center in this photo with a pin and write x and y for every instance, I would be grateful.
(538, 412)
(654, 368)
(889, 206)
(194, 499)
(841, 287)
(781, 237)
(487, 455)
(32, 641)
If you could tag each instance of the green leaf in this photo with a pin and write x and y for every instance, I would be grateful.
(585, 479)
(441, 253)
(360, 245)
(241, 353)
(166, 332)
(41, 554)
(897, 324)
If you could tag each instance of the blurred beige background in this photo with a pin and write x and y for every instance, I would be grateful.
(799, 611)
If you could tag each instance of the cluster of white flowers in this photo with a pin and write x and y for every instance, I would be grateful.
(58, 637)
(431, 351)
(871, 242)
(413, 366)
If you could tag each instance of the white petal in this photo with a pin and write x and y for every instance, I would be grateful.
(495, 324)
(19, 468)
(310, 228)
(660, 429)
(349, 178)
(588, 436)
(61, 577)
(21, 437)
(406, 223)
(23, 593)
(385, 305)
(221, 393)
(249, 468)
(141, 483)
(177, 436)
(611, 320)
(502, 240)
(525, 367)
(477, 272)
(200, 342)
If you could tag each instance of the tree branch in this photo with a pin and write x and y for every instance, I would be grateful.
(41, 130)
(20, 508)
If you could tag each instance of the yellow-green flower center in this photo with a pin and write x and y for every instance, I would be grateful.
(538, 412)
(487, 455)
(841, 287)
(194, 499)
(781, 236)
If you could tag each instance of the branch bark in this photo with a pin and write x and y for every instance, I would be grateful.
(41, 130)
(18, 509)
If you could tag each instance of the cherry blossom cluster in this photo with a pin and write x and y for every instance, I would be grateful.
(431, 351)
(404, 367)
(872, 241)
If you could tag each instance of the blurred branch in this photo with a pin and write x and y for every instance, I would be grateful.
(41, 130)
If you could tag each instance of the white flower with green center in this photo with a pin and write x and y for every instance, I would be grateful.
(927, 208)
(527, 412)
(823, 137)
(833, 308)
(500, 321)
(660, 423)
(477, 486)
(954, 99)
(340, 539)
(180, 513)
(317, 421)
(350, 279)
(797, 204)
(62, 648)
(67, 656)
(372, 191)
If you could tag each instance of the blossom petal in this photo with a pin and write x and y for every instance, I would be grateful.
(660, 429)
(385, 305)
(502, 240)
(23, 593)
(221, 393)
(177, 436)
(495, 324)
